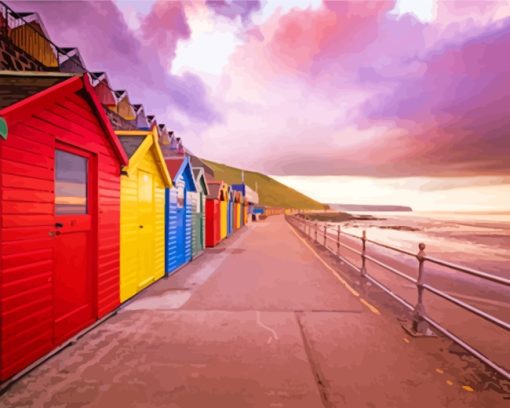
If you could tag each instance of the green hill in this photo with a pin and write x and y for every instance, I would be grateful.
(271, 192)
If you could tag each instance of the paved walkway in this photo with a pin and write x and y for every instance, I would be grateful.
(258, 322)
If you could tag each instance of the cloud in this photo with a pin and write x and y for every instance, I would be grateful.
(136, 61)
(235, 8)
(350, 89)
(338, 88)
(455, 115)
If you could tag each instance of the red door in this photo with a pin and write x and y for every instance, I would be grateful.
(217, 222)
(73, 256)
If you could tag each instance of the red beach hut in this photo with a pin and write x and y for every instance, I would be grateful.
(60, 166)
(213, 213)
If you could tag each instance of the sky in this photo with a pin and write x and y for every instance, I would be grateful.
(386, 102)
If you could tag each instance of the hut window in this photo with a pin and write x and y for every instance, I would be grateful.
(70, 183)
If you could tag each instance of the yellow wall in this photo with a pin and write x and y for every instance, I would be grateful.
(223, 219)
(238, 215)
(137, 270)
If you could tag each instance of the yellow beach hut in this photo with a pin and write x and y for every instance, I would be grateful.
(224, 202)
(142, 211)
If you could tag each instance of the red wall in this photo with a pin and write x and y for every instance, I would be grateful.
(212, 223)
(26, 218)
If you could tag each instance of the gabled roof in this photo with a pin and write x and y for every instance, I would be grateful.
(102, 88)
(70, 60)
(137, 143)
(197, 162)
(141, 118)
(26, 99)
(239, 187)
(199, 175)
(218, 190)
(181, 167)
(123, 105)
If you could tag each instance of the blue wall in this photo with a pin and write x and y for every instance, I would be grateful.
(178, 220)
(230, 216)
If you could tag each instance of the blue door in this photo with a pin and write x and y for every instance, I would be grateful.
(181, 223)
(171, 230)
(229, 217)
(176, 227)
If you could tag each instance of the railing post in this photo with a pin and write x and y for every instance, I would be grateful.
(419, 323)
(338, 232)
(325, 232)
(315, 231)
(363, 253)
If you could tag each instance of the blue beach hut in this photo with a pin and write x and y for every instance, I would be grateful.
(230, 211)
(179, 213)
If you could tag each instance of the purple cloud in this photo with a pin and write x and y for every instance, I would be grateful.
(457, 111)
(139, 64)
(235, 8)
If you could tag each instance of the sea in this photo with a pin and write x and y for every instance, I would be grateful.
(479, 240)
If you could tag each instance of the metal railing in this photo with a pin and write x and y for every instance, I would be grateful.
(321, 233)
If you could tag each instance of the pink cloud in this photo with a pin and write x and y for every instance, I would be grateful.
(411, 98)
(163, 27)
(138, 63)
(343, 89)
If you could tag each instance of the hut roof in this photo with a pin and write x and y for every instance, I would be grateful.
(199, 175)
(26, 92)
(137, 144)
(181, 166)
(174, 165)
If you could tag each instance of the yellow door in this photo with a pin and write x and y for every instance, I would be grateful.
(146, 229)
(223, 219)
(238, 215)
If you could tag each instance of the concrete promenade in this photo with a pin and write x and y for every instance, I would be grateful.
(259, 321)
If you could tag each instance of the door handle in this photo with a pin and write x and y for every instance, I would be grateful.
(140, 226)
(59, 225)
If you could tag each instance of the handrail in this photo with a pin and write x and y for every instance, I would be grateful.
(391, 269)
(466, 306)
(420, 318)
(469, 271)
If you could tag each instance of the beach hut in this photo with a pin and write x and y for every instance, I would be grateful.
(249, 200)
(230, 211)
(213, 222)
(178, 214)
(198, 223)
(59, 214)
(241, 190)
(224, 211)
(142, 211)
(237, 209)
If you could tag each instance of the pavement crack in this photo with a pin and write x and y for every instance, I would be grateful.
(314, 366)
(272, 331)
